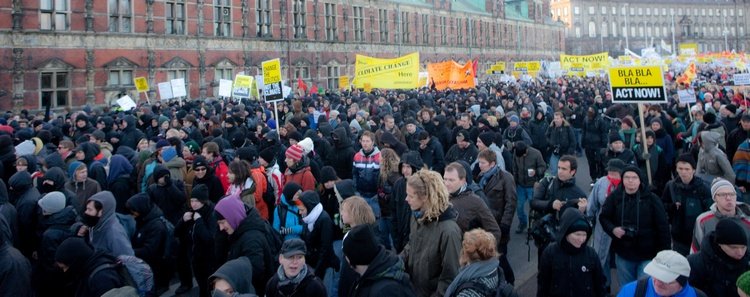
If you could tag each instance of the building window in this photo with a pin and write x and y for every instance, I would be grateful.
(592, 29)
(54, 15)
(223, 71)
(383, 21)
(470, 31)
(604, 29)
(54, 88)
(640, 11)
(332, 78)
(302, 72)
(330, 22)
(300, 24)
(632, 10)
(222, 17)
(592, 10)
(425, 28)
(578, 31)
(179, 73)
(740, 12)
(405, 27)
(665, 31)
(710, 12)
(648, 10)
(632, 31)
(120, 78)
(359, 24)
(742, 31)
(576, 10)
(648, 30)
(641, 31)
(175, 10)
(604, 10)
(120, 15)
(263, 18)
(731, 12)
(664, 11)
(443, 34)
(459, 33)
(614, 29)
(614, 10)
(565, 11)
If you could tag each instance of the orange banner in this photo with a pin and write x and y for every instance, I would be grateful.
(452, 75)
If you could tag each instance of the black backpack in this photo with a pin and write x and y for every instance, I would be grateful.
(170, 244)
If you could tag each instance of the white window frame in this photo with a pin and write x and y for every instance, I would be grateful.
(58, 17)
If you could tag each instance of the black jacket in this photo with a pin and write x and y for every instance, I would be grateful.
(199, 236)
(694, 199)
(715, 273)
(170, 197)
(735, 138)
(310, 286)
(25, 196)
(442, 132)
(130, 136)
(546, 194)
(101, 282)
(561, 137)
(249, 240)
(595, 131)
(123, 187)
(15, 269)
(9, 213)
(433, 155)
(212, 182)
(342, 159)
(150, 231)
(567, 270)
(538, 131)
(385, 276)
(320, 245)
(48, 278)
(57, 176)
(644, 214)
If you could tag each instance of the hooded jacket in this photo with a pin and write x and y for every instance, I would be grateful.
(120, 181)
(199, 235)
(58, 178)
(249, 240)
(694, 199)
(83, 190)
(385, 276)
(170, 197)
(212, 182)
(108, 234)
(441, 131)
(713, 271)
(55, 160)
(8, 212)
(641, 212)
(25, 196)
(502, 198)
(595, 131)
(431, 256)
(474, 213)
(83, 261)
(54, 230)
(400, 211)
(292, 220)
(706, 223)
(567, 270)
(319, 240)
(538, 131)
(341, 160)
(468, 154)
(712, 162)
(433, 155)
(237, 273)
(130, 135)
(150, 232)
(533, 159)
(15, 269)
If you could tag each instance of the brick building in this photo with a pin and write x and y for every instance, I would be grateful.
(595, 25)
(77, 52)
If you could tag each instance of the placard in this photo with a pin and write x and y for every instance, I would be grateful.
(637, 84)
(126, 103)
(165, 90)
(141, 84)
(225, 88)
(242, 86)
(742, 79)
(686, 96)
(178, 87)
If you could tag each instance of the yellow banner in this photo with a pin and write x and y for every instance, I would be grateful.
(397, 73)
(527, 66)
(499, 66)
(141, 84)
(343, 82)
(271, 71)
(637, 84)
(593, 62)
(688, 49)
(450, 74)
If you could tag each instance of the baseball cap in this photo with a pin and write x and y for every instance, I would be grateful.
(667, 266)
(293, 247)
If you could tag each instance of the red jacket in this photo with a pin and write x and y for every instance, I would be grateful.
(303, 177)
(221, 171)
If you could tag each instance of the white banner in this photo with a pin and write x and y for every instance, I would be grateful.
(165, 90)
(178, 87)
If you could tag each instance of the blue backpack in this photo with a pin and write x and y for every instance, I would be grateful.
(134, 272)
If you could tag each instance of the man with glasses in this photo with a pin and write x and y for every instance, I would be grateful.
(725, 206)
(65, 149)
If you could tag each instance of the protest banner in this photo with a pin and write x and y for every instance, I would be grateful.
(450, 74)
(397, 73)
(637, 84)
(272, 90)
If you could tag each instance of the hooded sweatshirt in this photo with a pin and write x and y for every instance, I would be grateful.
(119, 181)
(84, 189)
(712, 161)
(238, 273)
(108, 234)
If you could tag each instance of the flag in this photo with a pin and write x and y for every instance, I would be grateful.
(314, 89)
(301, 84)
(687, 77)
(475, 67)
(666, 47)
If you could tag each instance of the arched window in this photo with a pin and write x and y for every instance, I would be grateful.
(604, 29)
(592, 29)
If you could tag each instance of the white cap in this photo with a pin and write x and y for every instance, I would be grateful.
(667, 266)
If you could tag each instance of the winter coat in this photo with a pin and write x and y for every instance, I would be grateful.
(515, 134)
(712, 162)
(54, 230)
(531, 160)
(8, 212)
(310, 286)
(366, 173)
(150, 232)
(221, 171)
(395, 135)
(538, 132)
(706, 223)
(630, 288)
(431, 256)
(595, 131)
(735, 138)
(15, 269)
(567, 270)
(694, 199)
(108, 234)
(170, 198)
(212, 182)
(385, 276)
(455, 153)
(177, 168)
(25, 197)
(400, 215)
(199, 235)
(641, 212)
(714, 272)
(561, 137)
(502, 199)
(442, 132)
(292, 219)
(302, 175)
(626, 156)
(474, 278)
(598, 195)
(433, 155)
(546, 194)
(119, 181)
(474, 213)
(665, 142)
(319, 243)
(341, 160)
(249, 240)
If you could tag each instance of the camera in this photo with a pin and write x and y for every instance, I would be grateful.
(544, 230)
(556, 151)
(630, 231)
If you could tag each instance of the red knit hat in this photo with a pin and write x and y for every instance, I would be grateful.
(294, 152)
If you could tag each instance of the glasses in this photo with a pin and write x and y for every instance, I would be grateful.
(731, 195)
(200, 169)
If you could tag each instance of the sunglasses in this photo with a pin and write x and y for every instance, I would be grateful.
(200, 169)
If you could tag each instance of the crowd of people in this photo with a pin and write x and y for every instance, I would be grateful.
(392, 193)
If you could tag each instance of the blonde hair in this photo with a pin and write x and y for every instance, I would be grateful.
(359, 211)
(428, 186)
(389, 161)
(492, 120)
(478, 245)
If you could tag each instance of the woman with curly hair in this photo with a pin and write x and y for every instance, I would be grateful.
(389, 175)
(479, 274)
(431, 256)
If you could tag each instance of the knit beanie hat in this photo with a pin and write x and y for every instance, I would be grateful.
(614, 137)
(168, 153)
(729, 232)
(307, 145)
(52, 202)
(200, 192)
(514, 118)
(687, 158)
(73, 167)
(268, 155)
(327, 174)
(360, 245)
(231, 209)
(719, 183)
(295, 152)
(249, 154)
(743, 282)
(487, 138)
(290, 189)
(579, 225)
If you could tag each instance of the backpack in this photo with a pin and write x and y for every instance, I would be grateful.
(134, 272)
(228, 155)
(642, 284)
(169, 241)
(503, 289)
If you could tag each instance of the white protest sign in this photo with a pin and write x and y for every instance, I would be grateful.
(165, 90)
(126, 102)
(178, 87)
(741, 79)
(286, 91)
(686, 96)
(225, 88)
(259, 85)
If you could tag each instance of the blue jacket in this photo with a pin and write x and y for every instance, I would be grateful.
(293, 220)
(366, 172)
(629, 290)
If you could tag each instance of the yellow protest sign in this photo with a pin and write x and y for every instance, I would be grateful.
(368, 87)
(688, 49)
(637, 84)
(242, 86)
(527, 66)
(498, 67)
(271, 71)
(585, 63)
(396, 73)
(141, 84)
(343, 82)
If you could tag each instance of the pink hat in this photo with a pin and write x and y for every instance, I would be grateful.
(294, 152)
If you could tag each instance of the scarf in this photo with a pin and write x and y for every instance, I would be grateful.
(472, 271)
(486, 176)
(613, 183)
(296, 280)
(313, 216)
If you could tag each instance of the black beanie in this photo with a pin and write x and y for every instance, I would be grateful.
(327, 174)
(614, 137)
(247, 154)
(709, 118)
(268, 155)
(729, 232)
(200, 192)
(687, 158)
(487, 138)
(289, 190)
(360, 245)
(579, 225)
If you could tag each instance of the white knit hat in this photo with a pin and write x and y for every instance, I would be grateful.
(307, 145)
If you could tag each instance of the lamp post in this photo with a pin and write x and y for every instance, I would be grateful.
(627, 27)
